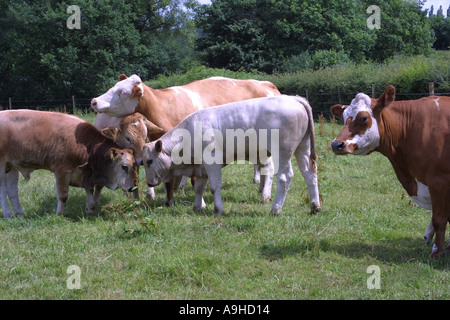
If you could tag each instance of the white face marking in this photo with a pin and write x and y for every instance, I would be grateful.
(117, 102)
(371, 138)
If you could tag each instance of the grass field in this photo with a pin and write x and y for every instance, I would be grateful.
(367, 219)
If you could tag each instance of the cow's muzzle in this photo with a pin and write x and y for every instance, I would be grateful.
(339, 147)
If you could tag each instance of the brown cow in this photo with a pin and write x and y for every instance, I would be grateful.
(133, 132)
(73, 149)
(165, 108)
(415, 136)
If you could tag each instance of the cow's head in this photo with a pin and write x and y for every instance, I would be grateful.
(122, 172)
(157, 163)
(360, 135)
(135, 131)
(122, 99)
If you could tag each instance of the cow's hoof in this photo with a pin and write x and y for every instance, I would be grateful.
(170, 203)
(264, 200)
(276, 210)
(315, 209)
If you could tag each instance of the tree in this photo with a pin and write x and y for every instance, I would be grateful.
(441, 29)
(263, 34)
(43, 59)
(404, 29)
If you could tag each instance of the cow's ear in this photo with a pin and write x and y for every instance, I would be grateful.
(122, 77)
(136, 92)
(337, 110)
(387, 97)
(158, 146)
(110, 132)
(152, 129)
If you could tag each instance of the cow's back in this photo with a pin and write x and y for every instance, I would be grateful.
(166, 108)
(38, 139)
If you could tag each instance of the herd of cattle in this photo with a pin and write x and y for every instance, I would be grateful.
(137, 125)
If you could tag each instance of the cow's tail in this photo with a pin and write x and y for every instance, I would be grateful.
(310, 131)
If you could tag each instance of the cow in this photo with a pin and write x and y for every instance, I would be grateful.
(165, 108)
(132, 132)
(279, 126)
(415, 136)
(73, 149)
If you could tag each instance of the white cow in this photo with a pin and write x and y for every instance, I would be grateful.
(211, 138)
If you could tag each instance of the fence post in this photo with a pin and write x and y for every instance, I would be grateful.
(431, 88)
(10, 103)
(73, 103)
(339, 95)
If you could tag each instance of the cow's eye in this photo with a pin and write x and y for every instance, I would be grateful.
(125, 168)
(149, 162)
(363, 119)
(128, 139)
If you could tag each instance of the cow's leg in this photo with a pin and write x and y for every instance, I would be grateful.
(429, 233)
(181, 182)
(93, 198)
(214, 172)
(62, 191)
(284, 178)
(266, 181)
(302, 156)
(440, 217)
(7, 213)
(170, 186)
(12, 185)
(200, 187)
(256, 174)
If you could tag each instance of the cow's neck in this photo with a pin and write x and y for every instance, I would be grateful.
(99, 165)
(151, 111)
(395, 124)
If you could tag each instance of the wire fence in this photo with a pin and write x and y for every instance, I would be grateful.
(321, 101)
(68, 105)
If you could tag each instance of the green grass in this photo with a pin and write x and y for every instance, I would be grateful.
(366, 219)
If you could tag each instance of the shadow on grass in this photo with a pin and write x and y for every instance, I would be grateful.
(399, 250)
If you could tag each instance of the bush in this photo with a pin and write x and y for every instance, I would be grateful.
(200, 72)
(340, 84)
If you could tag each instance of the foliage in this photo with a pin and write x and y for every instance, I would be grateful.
(200, 72)
(46, 60)
(410, 75)
(441, 29)
(267, 34)
(136, 211)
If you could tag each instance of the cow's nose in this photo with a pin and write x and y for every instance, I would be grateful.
(337, 146)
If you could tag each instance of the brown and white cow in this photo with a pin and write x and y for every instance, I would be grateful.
(165, 108)
(415, 136)
(73, 149)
